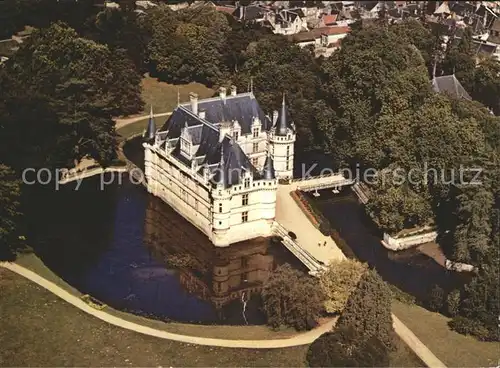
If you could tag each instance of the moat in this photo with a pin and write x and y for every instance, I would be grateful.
(133, 252)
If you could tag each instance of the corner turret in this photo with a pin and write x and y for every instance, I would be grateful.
(281, 129)
(150, 133)
(268, 172)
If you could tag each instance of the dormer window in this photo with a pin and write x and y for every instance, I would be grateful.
(186, 142)
(186, 147)
(255, 132)
(236, 135)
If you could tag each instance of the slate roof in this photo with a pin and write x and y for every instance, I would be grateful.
(450, 85)
(226, 159)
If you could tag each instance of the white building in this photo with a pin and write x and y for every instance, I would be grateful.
(217, 162)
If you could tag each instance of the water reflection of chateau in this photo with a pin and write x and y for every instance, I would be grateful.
(217, 274)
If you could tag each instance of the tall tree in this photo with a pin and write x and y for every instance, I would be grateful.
(368, 310)
(291, 298)
(61, 93)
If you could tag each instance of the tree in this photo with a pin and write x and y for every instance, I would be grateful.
(60, 94)
(460, 59)
(120, 29)
(291, 298)
(368, 310)
(344, 347)
(10, 191)
(338, 282)
(188, 45)
(486, 86)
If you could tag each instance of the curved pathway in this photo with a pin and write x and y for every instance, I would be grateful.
(302, 339)
(404, 333)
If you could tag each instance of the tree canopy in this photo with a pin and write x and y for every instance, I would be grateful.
(60, 94)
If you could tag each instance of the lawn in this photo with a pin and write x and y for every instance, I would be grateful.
(38, 329)
(138, 127)
(453, 349)
(163, 96)
(54, 333)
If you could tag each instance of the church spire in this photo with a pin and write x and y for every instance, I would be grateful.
(282, 123)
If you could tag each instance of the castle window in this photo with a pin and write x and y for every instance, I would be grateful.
(255, 132)
(247, 183)
(287, 150)
(236, 135)
(287, 164)
(196, 204)
(186, 147)
(255, 161)
(244, 200)
(255, 147)
(244, 216)
(220, 207)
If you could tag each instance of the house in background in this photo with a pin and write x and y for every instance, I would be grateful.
(325, 41)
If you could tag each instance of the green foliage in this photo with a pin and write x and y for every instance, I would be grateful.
(368, 310)
(468, 326)
(486, 86)
(453, 303)
(10, 191)
(291, 298)
(401, 296)
(345, 347)
(188, 45)
(60, 94)
(436, 298)
(338, 282)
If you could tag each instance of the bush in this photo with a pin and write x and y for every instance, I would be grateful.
(292, 298)
(436, 298)
(401, 296)
(453, 302)
(338, 282)
(467, 326)
(368, 310)
(346, 348)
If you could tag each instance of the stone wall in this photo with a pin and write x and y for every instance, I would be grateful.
(410, 241)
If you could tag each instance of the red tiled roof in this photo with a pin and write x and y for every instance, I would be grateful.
(225, 9)
(329, 19)
(335, 30)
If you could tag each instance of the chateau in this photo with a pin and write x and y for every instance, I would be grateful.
(217, 162)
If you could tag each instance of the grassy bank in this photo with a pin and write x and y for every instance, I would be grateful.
(33, 263)
(450, 347)
(39, 329)
(163, 96)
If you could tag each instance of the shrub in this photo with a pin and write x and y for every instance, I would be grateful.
(400, 295)
(453, 302)
(467, 326)
(291, 298)
(346, 348)
(436, 298)
(368, 310)
(338, 282)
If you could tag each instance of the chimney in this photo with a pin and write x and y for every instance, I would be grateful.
(222, 92)
(233, 90)
(225, 128)
(202, 114)
(193, 97)
(275, 117)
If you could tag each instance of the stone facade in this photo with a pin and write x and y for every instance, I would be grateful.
(217, 163)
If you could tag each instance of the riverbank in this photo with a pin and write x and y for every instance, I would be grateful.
(42, 322)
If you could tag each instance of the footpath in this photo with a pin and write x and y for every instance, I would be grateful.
(406, 335)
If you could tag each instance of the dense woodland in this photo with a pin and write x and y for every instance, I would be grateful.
(370, 104)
